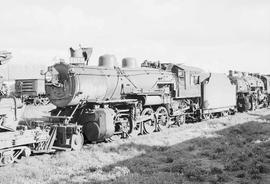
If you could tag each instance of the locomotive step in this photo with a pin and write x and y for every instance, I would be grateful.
(58, 117)
(43, 151)
(61, 148)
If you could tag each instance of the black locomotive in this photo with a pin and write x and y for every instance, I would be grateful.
(102, 101)
(252, 90)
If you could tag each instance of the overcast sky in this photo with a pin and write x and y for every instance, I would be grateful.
(216, 35)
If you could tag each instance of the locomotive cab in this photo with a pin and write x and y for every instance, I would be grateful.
(188, 79)
(266, 82)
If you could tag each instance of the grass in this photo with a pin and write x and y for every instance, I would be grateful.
(232, 157)
(217, 151)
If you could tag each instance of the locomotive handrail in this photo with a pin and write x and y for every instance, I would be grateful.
(58, 117)
(66, 118)
(125, 75)
(111, 101)
(150, 93)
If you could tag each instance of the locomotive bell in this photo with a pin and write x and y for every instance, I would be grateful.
(107, 61)
(129, 62)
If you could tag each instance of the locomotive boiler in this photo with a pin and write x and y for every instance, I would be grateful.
(109, 100)
(68, 84)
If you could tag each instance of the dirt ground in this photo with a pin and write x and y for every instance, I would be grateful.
(233, 149)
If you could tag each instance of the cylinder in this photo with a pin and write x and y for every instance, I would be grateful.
(98, 126)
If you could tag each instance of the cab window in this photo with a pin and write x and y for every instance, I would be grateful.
(195, 80)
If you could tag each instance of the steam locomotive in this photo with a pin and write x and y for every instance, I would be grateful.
(252, 90)
(98, 102)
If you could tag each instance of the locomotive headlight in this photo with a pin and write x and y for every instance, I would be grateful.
(48, 76)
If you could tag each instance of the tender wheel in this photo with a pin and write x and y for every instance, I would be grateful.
(77, 141)
(162, 116)
(150, 124)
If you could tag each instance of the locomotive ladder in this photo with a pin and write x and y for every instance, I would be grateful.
(65, 118)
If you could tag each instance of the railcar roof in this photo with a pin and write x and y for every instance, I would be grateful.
(189, 68)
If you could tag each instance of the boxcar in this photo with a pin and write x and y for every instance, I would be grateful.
(31, 91)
